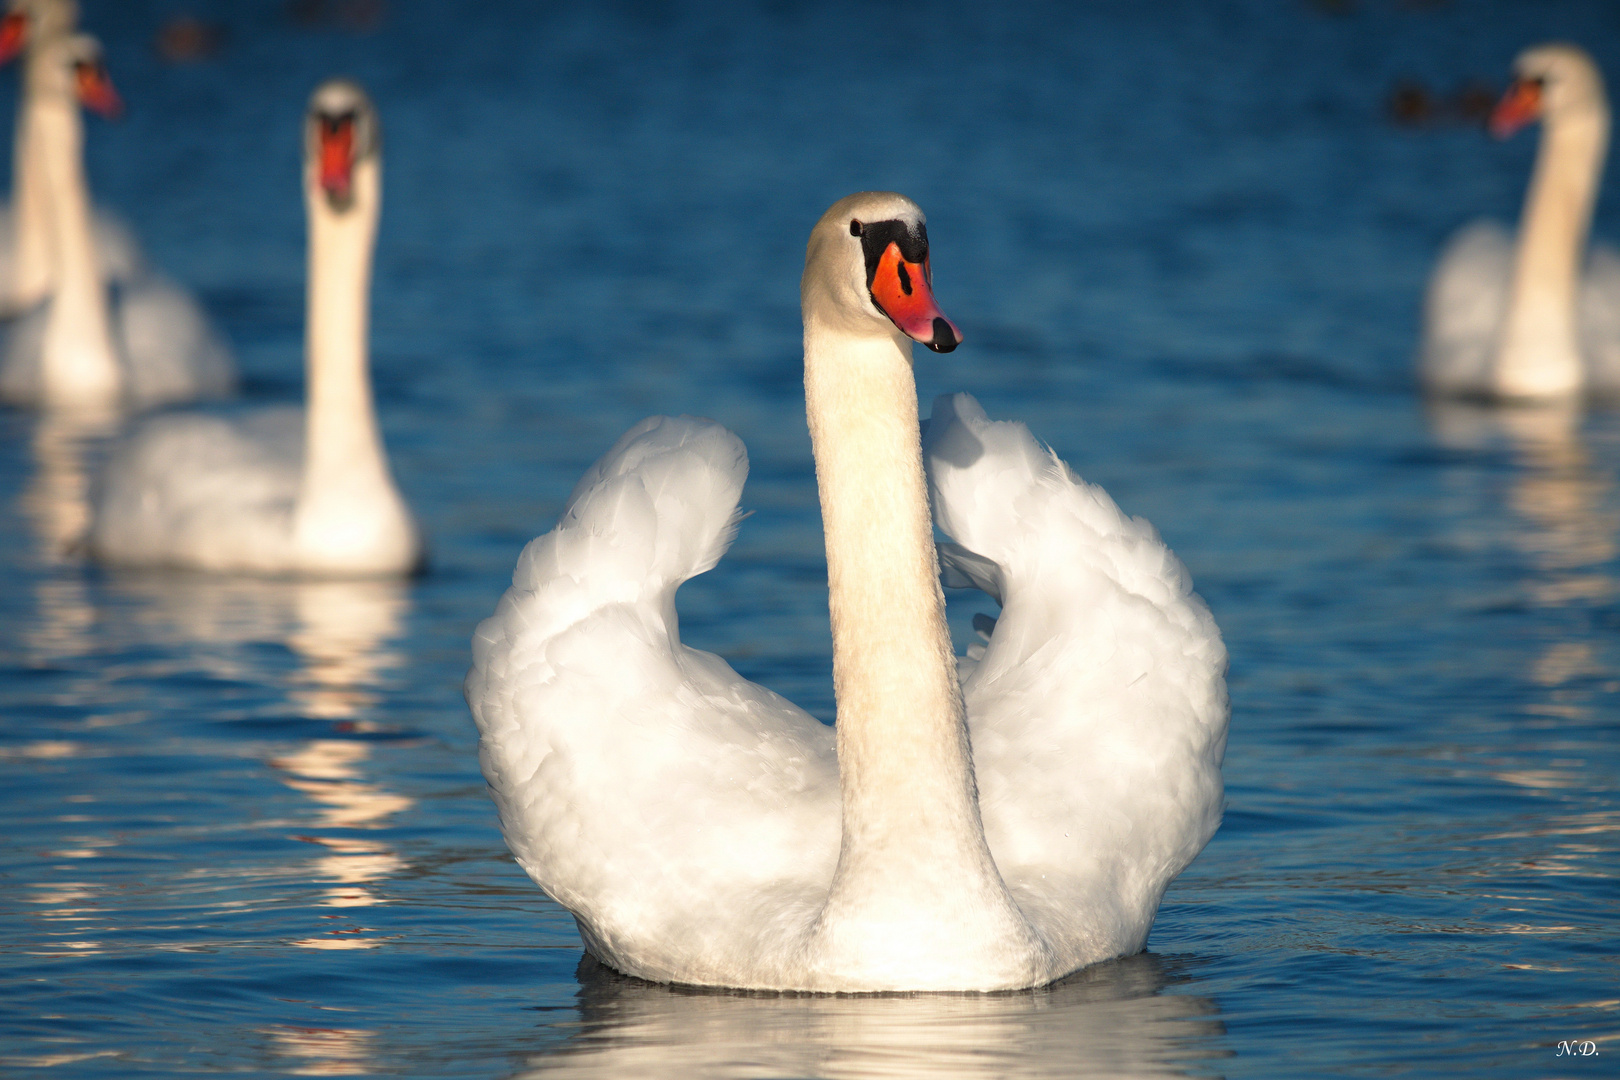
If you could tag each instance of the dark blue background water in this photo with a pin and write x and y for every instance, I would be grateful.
(244, 829)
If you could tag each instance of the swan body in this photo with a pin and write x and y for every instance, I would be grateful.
(25, 282)
(282, 491)
(82, 344)
(1528, 317)
(979, 823)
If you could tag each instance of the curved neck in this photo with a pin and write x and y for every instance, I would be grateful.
(910, 810)
(78, 363)
(1540, 352)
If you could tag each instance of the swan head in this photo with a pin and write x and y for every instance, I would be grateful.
(1550, 82)
(341, 133)
(70, 67)
(28, 21)
(866, 270)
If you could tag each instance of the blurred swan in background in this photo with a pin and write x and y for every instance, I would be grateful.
(283, 491)
(704, 830)
(25, 244)
(1519, 320)
(141, 342)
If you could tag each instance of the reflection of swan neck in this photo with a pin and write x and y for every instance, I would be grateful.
(77, 358)
(58, 497)
(1540, 351)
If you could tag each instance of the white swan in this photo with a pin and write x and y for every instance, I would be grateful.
(146, 343)
(996, 832)
(1521, 321)
(25, 246)
(283, 491)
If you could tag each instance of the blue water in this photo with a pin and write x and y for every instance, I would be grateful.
(244, 828)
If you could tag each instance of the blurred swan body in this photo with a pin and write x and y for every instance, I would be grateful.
(979, 823)
(1519, 319)
(283, 491)
(25, 228)
(142, 341)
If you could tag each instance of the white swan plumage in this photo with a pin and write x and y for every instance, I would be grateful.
(282, 490)
(25, 246)
(1521, 317)
(704, 830)
(101, 329)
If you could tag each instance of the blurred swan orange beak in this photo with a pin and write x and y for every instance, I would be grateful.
(13, 36)
(337, 159)
(902, 291)
(1520, 105)
(97, 93)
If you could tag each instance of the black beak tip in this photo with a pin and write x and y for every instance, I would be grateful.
(945, 339)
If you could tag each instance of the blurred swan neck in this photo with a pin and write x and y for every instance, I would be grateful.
(32, 262)
(346, 477)
(1540, 353)
(78, 362)
(31, 226)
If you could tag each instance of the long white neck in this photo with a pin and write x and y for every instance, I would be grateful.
(30, 218)
(349, 517)
(32, 263)
(915, 881)
(78, 363)
(1540, 353)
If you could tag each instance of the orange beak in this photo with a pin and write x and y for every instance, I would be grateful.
(97, 93)
(337, 158)
(1520, 105)
(13, 36)
(902, 291)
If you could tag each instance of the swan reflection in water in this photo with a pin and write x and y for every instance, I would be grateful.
(342, 634)
(1564, 522)
(56, 504)
(324, 1051)
(1563, 507)
(1113, 1019)
(57, 498)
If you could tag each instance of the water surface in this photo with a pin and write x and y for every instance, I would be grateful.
(244, 827)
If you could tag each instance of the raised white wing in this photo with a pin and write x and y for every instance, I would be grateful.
(1098, 710)
(687, 817)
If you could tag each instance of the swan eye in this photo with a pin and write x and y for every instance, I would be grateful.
(335, 123)
(856, 228)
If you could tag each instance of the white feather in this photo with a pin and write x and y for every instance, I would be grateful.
(686, 816)
(204, 491)
(1098, 711)
(690, 819)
